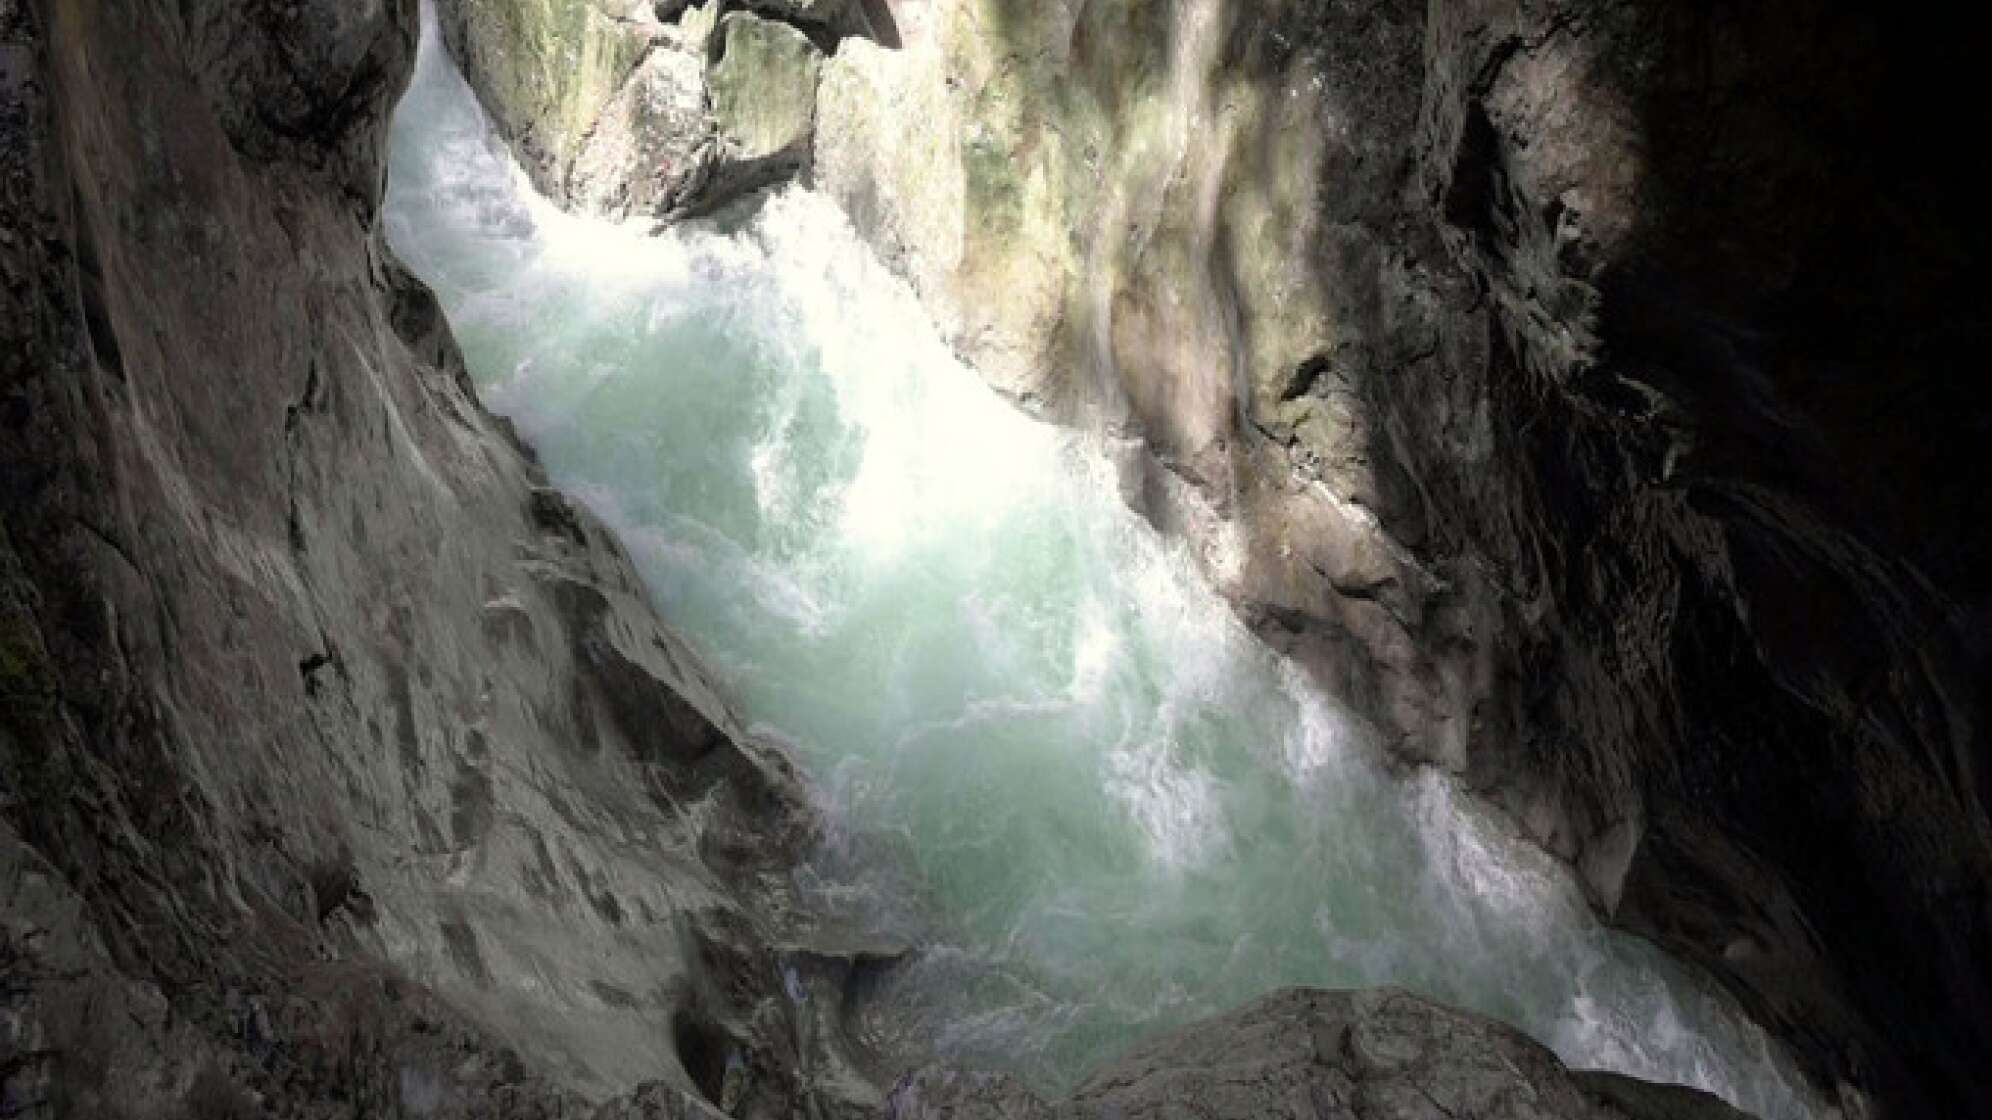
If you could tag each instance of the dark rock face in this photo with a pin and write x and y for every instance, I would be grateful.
(1301, 1054)
(1589, 385)
(1730, 323)
(343, 768)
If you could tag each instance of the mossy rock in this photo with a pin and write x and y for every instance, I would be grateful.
(544, 70)
(762, 83)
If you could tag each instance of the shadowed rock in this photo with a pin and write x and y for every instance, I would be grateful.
(344, 767)
(1300, 1054)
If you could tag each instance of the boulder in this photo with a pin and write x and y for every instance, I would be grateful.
(664, 111)
(647, 152)
(761, 84)
(545, 70)
(1307, 1055)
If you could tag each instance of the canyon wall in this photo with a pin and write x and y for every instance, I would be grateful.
(1580, 389)
(344, 769)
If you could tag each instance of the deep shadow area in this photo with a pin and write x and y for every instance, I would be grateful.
(884, 28)
(1752, 484)
(701, 1050)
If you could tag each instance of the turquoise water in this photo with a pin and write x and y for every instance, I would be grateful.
(1048, 752)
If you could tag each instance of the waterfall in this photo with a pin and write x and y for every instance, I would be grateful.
(1049, 753)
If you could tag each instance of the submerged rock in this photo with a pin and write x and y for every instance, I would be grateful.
(545, 70)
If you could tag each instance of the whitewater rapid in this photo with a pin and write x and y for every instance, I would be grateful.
(1049, 753)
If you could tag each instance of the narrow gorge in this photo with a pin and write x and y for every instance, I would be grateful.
(1112, 558)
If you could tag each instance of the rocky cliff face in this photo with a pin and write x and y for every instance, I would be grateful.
(342, 770)
(1730, 348)
(635, 107)
(342, 765)
(1582, 389)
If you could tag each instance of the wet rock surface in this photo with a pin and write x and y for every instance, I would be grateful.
(344, 768)
(1565, 385)
(666, 110)
(1380, 1055)
(1581, 389)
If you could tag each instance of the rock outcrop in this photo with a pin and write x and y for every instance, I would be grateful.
(344, 769)
(1581, 389)
(1562, 394)
(625, 107)
(1302, 1054)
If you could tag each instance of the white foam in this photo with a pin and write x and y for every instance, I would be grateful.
(1035, 729)
(1175, 805)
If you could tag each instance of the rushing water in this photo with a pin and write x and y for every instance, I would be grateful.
(1048, 750)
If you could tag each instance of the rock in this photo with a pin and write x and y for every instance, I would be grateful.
(344, 767)
(1644, 1100)
(546, 69)
(762, 86)
(647, 152)
(831, 19)
(992, 272)
(667, 111)
(1481, 350)
(1126, 219)
(1380, 1055)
